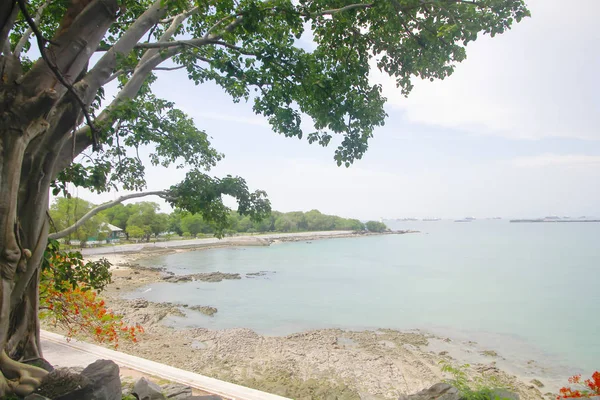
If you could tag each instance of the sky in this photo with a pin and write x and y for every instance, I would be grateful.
(514, 132)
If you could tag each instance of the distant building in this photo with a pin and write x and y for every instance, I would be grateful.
(114, 232)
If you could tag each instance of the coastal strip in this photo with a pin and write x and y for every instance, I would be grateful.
(231, 241)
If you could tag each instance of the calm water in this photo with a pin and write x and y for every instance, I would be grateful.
(529, 289)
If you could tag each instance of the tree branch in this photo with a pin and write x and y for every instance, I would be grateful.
(42, 46)
(8, 16)
(25, 38)
(94, 211)
(341, 9)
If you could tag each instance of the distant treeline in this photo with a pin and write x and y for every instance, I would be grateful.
(142, 220)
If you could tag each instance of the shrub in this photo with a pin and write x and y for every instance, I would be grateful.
(69, 290)
(589, 387)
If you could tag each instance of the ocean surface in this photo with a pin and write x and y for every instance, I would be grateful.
(529, 291)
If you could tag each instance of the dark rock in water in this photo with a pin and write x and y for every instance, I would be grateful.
(144, 389)
(105, 382)
(439, 391)
(205, 277)
(207, 310)
(174, 391)
(177, 278)
(537, 382)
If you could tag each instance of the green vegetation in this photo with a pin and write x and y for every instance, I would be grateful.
(142, 221)
(481, 387)
(374, 226)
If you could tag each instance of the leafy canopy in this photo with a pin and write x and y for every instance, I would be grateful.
(303, 63)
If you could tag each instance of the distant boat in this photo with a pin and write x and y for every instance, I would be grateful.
(431, 219)
(464, 220)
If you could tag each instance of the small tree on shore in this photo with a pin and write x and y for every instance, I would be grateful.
(375, 226)
(53, 110)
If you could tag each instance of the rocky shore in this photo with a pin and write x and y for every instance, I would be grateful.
(321, 364)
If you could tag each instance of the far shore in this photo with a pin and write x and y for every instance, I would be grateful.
(231, 241)
(341, 364)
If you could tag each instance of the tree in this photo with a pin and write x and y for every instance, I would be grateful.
(144, 215)
(135, 231)
(53, 110)
(194, 224)
(375, 226)
(66, 211)
(117, 215)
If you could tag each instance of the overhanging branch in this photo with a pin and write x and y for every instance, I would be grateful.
(94, 211)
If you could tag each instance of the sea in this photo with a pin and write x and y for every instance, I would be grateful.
(530, 291)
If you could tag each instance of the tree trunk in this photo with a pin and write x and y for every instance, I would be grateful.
(23, 234)
(18, 321)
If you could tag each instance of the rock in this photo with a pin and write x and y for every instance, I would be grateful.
(41, 363)
(489, 353)
(99, 381)
(63, 384)
(439, 391)
(207, 310)
(35, 396)
(205, 277)
(537, 382)
(503, 394)
(175, 391)
(139, 303)
(177, 278)
(144, 389)
(105, 382)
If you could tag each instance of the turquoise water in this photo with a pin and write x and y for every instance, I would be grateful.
(514, 286)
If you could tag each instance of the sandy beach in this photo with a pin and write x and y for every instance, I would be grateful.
(329, 363)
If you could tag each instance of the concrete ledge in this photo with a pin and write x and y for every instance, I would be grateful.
(211, 385)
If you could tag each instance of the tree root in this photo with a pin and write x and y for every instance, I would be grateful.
(18, 378)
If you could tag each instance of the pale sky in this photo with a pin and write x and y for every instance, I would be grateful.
(514, 132)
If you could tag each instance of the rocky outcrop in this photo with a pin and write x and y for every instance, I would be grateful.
(173, 391)
(143, 389)
(444, 391)
(204, 277)
(98, 381)
(206, 310)
(439, 391)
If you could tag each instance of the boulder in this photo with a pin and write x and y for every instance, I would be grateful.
(439, 391)
(444, 391)
(503, 394)
(139, 303)
(144, 389)
(174, 391)
(105, 381)
(35, 396)
(64, 384)
(40, 362)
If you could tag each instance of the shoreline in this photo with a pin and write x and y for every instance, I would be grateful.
(167, 247)
(345, 364)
